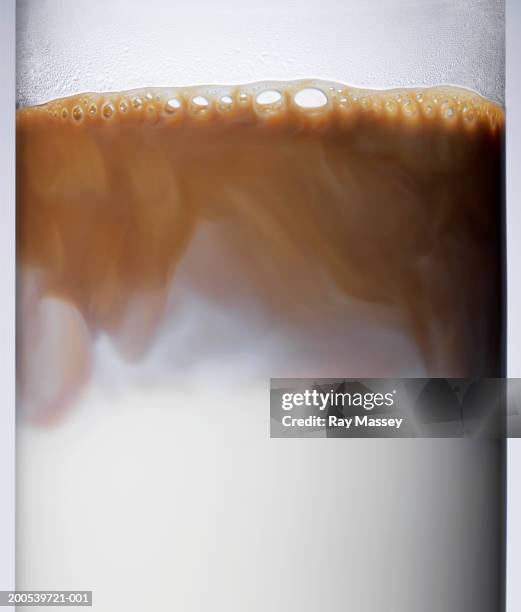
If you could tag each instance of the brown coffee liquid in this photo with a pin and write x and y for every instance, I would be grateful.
(389, 199)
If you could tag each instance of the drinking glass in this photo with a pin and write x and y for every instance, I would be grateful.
(171, 495)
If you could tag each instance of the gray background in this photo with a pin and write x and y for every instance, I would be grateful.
(7, 318)
(513, 90)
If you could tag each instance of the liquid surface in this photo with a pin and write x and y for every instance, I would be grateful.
(361, 227)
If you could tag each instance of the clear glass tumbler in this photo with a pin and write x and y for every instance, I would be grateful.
(213, 193)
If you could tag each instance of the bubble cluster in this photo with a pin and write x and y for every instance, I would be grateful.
(446, 105)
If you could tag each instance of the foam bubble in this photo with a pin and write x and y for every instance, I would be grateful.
(310, 98)
(77, 113)
(108, 110)
(269, 99)
(410, 108)
(137, 102)
(172, 105)
(200, 104)
(469, 114)
(391, 106)
(376, 104)
(447, 109)
(428, 108)
(225, 103)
